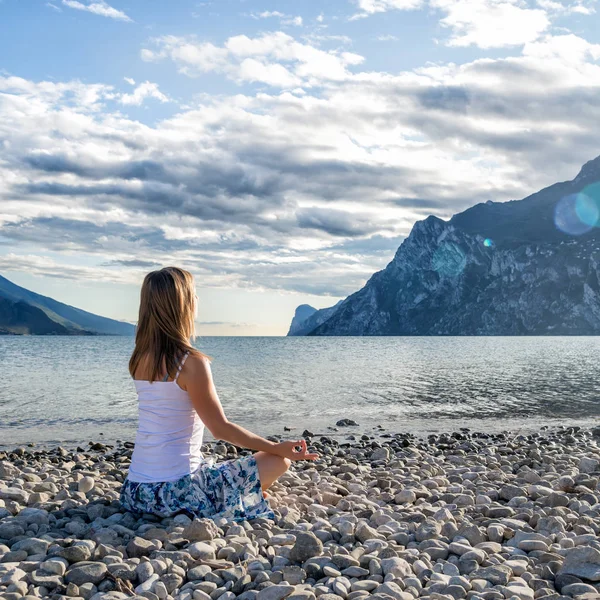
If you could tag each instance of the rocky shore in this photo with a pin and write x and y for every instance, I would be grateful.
(462, 515)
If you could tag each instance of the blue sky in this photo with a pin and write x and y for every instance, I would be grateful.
(281, 151)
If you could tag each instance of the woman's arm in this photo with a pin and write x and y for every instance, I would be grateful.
(198, 381)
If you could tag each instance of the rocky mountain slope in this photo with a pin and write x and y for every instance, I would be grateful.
(25, 312)
(306, 318)
(527, 267)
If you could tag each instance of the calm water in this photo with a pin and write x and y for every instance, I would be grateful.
(73, 389)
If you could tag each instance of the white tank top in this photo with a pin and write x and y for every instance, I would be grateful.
(169, 435)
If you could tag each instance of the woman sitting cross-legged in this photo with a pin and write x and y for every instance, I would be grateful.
(176, 400)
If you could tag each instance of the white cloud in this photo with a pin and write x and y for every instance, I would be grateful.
(283, 18)
(562, 8)
(251, 70)
(387, 38)
(53, 7)
(275, 59)
(129, 80)
(370, 7)
(491, 23)
(486, 23)
(317, 39)
(142, 92)
(98, 8)
(266, 14)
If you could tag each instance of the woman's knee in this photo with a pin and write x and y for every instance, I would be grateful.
(283, 464)
(271, 467)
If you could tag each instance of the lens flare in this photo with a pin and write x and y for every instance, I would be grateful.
(448, 260)
(586, 210)
(488, 243)
(574, 214)
(588, 205)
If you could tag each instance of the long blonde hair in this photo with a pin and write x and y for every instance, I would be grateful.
(166, 327)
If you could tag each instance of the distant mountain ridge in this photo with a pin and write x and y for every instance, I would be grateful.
(497, 268)
(23, 312)
(307, 318)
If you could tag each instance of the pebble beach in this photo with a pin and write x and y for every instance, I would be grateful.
(389, 517)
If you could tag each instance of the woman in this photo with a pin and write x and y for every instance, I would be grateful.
(176, 400)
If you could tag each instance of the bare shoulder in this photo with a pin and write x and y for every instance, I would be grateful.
(196, 368)
(198, 363)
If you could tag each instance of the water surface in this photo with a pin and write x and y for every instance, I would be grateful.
(71, 390)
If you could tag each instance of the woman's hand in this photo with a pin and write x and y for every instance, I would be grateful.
(294, 450)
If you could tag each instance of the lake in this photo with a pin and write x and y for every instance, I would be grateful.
(71, 390)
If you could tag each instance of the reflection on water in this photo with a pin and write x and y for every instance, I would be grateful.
(73, 389)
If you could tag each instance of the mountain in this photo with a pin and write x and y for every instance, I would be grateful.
(306, 318)
(25, 312)
(498, 268)
(22, 318)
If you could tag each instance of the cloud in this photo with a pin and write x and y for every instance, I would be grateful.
(339, 222)
(275, 58)
(491, 23)
(53, 7)
(486, 23)
(562, 8)
(86, 97)
(254, 189)
(98, 8)
(370, 7)
(144, 264)
(141, 92)
(283, 18)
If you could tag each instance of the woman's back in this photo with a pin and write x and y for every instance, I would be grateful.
(170, 432)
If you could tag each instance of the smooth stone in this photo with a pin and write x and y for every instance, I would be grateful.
(31, 546)
(86, 572)
(201, 550)
(588, 465)
(283, 539)
(86, 484)
(147, 585)
(199, 572)
(364, 532)
(10, 530)
(307, 545)
(75, 553)
(396, 566)
(294, 574)
(405, 497)
(15, 494)
(276, 592)
(497, 574)
(355, 571)
(201, 530)
(138, 547)
(577, 589)
(582, 561)
(366, 585)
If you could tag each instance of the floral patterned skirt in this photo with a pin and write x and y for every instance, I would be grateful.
(229, 489)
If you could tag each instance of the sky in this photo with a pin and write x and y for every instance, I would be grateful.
(280, 151)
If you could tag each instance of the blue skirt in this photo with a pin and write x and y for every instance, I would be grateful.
(230, 490)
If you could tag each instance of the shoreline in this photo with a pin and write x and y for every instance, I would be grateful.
(463, 514)
(346, 432)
